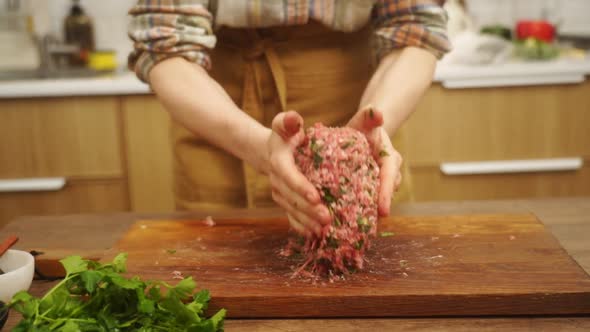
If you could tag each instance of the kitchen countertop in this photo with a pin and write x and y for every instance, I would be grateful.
(567, 218)
(560, 71)
(119, 84)
(450, 76)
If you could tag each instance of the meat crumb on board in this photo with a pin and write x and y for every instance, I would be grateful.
(177, 275)
(209, 221)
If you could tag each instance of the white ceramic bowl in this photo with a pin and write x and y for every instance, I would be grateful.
(19, 268)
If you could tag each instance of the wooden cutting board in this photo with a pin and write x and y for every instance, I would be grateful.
(432, 266)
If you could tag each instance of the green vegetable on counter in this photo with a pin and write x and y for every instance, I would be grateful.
(97, 297)
(497, 30)
(535, 49)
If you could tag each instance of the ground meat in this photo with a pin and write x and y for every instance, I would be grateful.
(209, 221)
(339, 163)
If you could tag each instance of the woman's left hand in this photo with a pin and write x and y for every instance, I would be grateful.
(369, 122)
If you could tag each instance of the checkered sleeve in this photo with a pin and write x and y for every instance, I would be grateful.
(169, 28)
(400, 23)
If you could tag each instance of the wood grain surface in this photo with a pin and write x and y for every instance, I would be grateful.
(567, 218)
(63, 137)
(432, 266)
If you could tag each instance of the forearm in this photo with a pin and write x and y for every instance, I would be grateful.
(200, 104)
(397, 85)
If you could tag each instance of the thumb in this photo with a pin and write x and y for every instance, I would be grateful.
(366, 119)
(287, 124)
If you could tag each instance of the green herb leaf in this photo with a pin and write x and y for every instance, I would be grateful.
(119, 263)
(202, 296)
(97, 297)
(146, 306)
(332, 242)
(74, 264)
(317, 160)
(386, 234)
(346, 145)
(70, 326)
(218, 319)
(337, 221)
(171, 251)
(358, 245)
(314, 146)
(383, 153)
(24, 303)
(363, 224)
(125, 283)
(328, 197)
(91, 279)
(183, 289)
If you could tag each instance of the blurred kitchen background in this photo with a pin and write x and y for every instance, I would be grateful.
(508, 116)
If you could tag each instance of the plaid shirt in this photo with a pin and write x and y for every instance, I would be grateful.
(166, 28)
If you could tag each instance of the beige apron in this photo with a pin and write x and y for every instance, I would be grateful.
(311, 69)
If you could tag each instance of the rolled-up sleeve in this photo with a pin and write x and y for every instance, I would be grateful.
(401, 23)
(169, 28)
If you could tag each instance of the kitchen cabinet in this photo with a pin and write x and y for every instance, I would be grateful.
(77, 140)
(78, 196)
(149, 154)
(66, 137)
(503, 124)
(114, 152)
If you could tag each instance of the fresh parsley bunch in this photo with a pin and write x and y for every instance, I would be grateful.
(97, 297)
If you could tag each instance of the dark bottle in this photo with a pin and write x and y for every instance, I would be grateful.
(79, 31)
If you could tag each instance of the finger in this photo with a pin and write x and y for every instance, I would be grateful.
(366, 120)
(287, 124)
(398, 181)
(297, 227)
(283, 165)
(309, 224)
(317, 211)
(387, 176)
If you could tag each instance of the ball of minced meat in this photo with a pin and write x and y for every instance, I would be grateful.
(340, 164)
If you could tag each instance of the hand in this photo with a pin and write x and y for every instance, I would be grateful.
(369, 122)
(290, 188)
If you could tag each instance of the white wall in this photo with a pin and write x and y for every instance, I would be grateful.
(110, 21)
(572, 16)
(110, 16)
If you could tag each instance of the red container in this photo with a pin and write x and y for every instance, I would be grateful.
(541, 30)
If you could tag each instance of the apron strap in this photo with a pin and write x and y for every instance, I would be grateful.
(252, 94)
(264, 47)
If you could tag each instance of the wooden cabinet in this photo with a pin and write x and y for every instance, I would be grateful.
(115, 153)
(149, 154)
(77, 139)
(69, 137)
(78, 196)
(503, 124)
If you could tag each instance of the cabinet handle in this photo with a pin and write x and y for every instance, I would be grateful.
(512, 166)
(32, 185)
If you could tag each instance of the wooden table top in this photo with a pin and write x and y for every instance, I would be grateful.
(567, 218)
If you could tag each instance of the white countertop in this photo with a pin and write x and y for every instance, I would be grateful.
(450, 76)
(560, 71)
(122, 84)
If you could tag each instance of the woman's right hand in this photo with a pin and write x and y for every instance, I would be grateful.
(290, 188)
